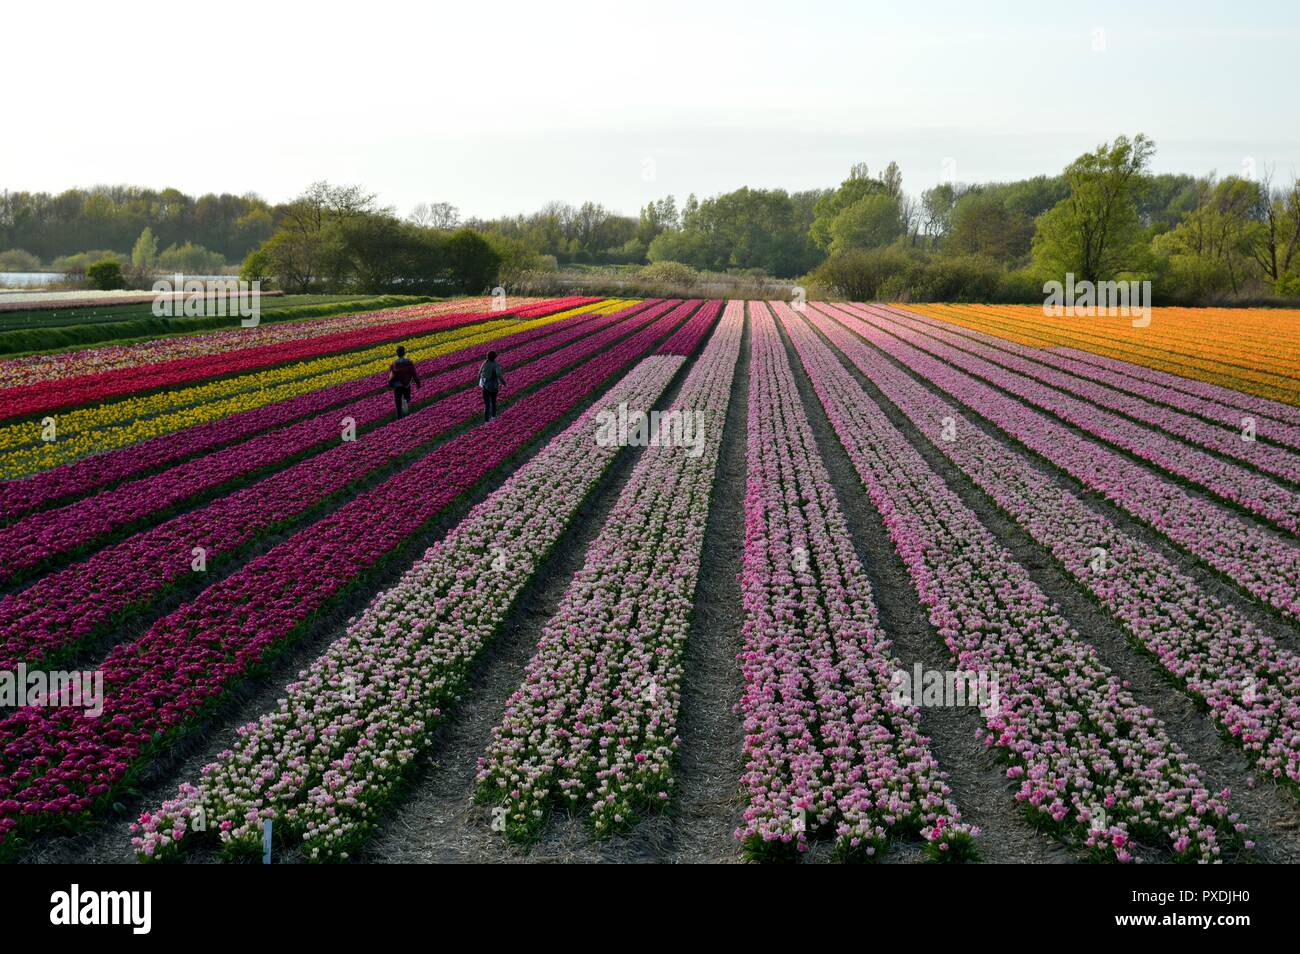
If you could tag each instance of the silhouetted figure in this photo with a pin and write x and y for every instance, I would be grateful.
(491, 379)
(400, 375)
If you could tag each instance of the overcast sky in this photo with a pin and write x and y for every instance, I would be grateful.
(498, 107)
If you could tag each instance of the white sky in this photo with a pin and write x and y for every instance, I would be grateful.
(498, 107)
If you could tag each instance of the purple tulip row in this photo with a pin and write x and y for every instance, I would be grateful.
(1230, 415)
(1250, 684)
(82, 476)
(59, 764)
(36, 538)
(1263, 562)
(1190, 387)
(63, 609)
(593, 726)
(1227, 440)
(828, 748)
(333, 752)
(1087, 758)
(1251, 491)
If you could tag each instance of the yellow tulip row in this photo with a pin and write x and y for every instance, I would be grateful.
(111, 426)
(117, 412)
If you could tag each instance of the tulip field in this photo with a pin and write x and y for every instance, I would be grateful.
(661, 608)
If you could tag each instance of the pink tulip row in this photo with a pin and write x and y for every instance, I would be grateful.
(1247, 489)
(44, 396)
(1266, 564)
(1190, 387)
(688, 338)
(40, 536)
(333, 752)
(828, 749)
(66, 364)
(83, 476)
(1228, 441)
(1162, 398)
(1087, 759)
(593, 726)
(1250, 684)
(63, 609)
(59, 765)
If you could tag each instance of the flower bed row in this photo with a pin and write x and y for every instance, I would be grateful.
(48, 396)
(828, 751)
(1264, 563)
(1250, 684)
(336, 747)
(62, 610)
(1266, 457)
(84, 475)
(58, 765)
(35, 539)
(1229, 413)
(1247, 489)
(1088, 760)
(687, 339)
(90, 430)
(1236, 347)
(594, 724)
(66, 364)
(1191, 387)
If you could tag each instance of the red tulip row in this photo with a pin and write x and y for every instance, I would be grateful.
(94, 388)
(82, 476)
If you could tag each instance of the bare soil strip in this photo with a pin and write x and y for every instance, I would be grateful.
(708, 804)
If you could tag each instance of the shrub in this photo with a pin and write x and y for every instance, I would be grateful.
(105, 275)
(18, 260)
(668, 273)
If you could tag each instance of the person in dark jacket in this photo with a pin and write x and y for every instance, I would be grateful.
(491, 379)
(401, 374)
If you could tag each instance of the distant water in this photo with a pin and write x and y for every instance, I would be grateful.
(29, 279)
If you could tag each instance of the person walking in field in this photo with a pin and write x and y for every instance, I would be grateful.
(401, 374)
(491, 379)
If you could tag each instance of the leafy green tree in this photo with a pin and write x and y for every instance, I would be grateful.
(473, 261)
(1212, 250)
(870, 222)
(1095, 232)
(982, 225)
(856, 187)
(257, 267)
(145, 251)
(1276, 247)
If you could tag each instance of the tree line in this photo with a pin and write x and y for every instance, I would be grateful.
(1105, 217)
